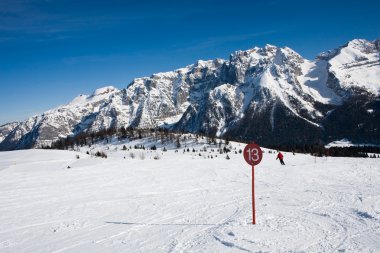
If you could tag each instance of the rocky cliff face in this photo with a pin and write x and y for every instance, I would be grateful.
(271, 95)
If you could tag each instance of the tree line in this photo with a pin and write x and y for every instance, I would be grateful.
(321, 150)
(179, 138)
(106, 135)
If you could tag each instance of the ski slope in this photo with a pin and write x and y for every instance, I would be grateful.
(183, 202)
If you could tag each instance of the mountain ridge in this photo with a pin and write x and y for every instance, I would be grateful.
(269, 94)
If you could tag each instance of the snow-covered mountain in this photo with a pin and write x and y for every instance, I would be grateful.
(271, 95)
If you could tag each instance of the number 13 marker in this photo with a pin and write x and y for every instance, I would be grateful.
(253, 155)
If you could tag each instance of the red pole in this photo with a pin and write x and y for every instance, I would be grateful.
(253, 195)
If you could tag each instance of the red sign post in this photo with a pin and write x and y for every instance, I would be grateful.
(253, 155)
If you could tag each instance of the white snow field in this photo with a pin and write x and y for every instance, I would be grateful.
(183, 202)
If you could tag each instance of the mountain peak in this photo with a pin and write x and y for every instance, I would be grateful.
(356, 65)
(357, 42)
(104, 90)
(79, 99)
(98, 94)
(270, 47)
(362, 45)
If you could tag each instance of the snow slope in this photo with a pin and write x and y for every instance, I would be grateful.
(183, 202)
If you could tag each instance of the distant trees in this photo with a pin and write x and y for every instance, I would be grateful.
(320, 150)
(177, 142)
(180, 139)
(106, 135)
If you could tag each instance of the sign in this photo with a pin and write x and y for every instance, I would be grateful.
(253, 154)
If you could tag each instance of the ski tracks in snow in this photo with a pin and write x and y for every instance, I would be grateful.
(193, 242)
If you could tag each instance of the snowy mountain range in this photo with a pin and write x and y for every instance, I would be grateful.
(271, 95)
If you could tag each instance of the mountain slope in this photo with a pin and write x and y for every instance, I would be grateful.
(271, 95)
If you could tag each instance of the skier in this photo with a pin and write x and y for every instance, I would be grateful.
(280, 156)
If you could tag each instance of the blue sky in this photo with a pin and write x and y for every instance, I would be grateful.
(53, 50)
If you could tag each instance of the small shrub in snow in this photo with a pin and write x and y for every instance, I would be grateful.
(226, 150)
(124, 147)
(77, 156)
(132, 155)
(227, 157)
(87, 153)
(156, 157)
(100, 154)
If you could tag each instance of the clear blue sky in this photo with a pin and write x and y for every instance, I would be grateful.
(53, 50)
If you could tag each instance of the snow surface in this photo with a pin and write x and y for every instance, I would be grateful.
(314, 80)
(183, 202)
(340, 143)
(348, 143)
